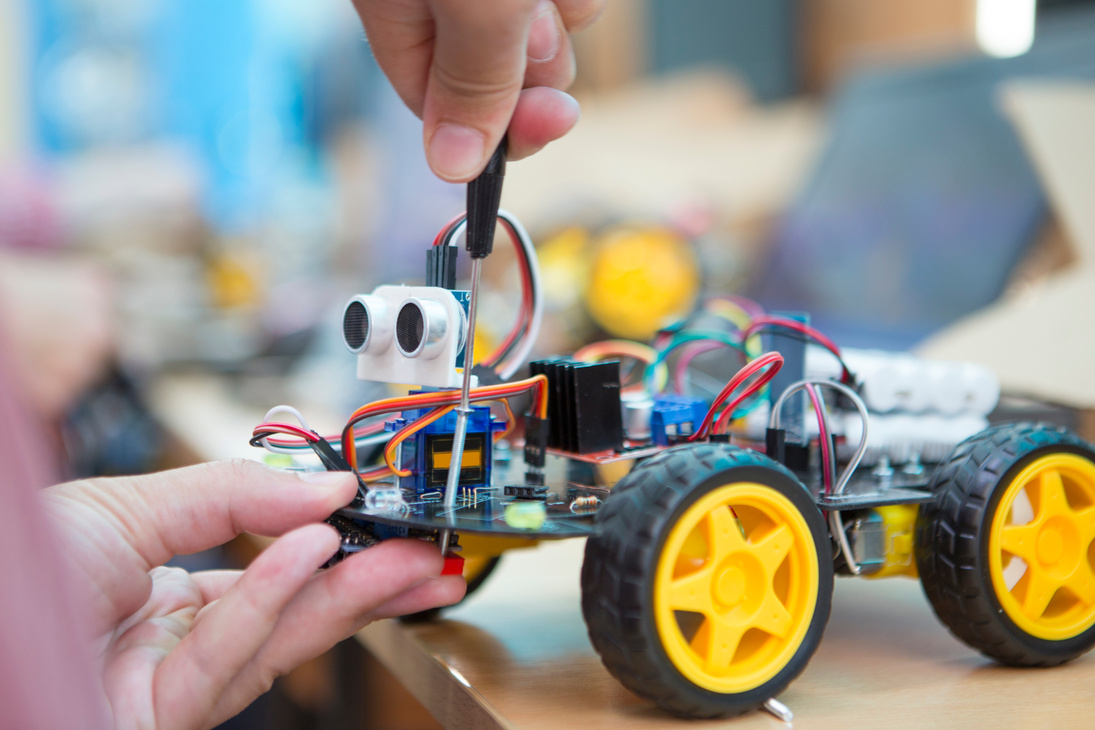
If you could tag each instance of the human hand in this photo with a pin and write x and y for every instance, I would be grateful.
(189, 650)
(472, 68)
(58, 321)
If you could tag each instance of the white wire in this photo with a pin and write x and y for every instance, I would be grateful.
(517, 359)
(521, 354)
(773, 421)
(266, 419)
(836, 525)
(366, 441)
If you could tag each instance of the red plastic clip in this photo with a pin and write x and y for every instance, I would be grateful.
(454, 565)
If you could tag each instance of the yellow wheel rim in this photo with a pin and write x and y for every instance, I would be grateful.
(1041, 549)
(736, 587)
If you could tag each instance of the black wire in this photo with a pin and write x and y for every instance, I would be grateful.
(256, 440)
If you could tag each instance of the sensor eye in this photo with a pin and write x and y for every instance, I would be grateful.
(366, 325)
(410, 328)
(423, 328)
(355, 326)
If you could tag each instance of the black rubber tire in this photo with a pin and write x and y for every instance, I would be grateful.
(619, 569)
(474, 583)
(952, 542)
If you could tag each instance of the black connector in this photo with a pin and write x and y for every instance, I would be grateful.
(441, 266)
(536, 441)
(775, 444)
(527, 492)
(487, 375)
(796, 457)
(484, 197)
(334, 461)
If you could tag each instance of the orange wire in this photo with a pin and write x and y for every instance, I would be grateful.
(443, 398)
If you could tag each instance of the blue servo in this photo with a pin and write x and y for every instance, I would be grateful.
(428, 454)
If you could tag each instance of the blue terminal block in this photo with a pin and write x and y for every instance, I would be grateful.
(428, 454)
(675, 416)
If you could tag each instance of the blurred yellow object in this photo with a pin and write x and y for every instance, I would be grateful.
(485, 344)
(525, 515)
(233, 281)
(641, 279)
(564, 266)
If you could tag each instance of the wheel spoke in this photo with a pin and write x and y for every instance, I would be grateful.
(1085, 521)
(1051, 495)
(717, 641)
(1019, 540)
(773, 617)
(1082, 584)
(723, 533)
(773, 548)
(1039, 591)
(692, 592)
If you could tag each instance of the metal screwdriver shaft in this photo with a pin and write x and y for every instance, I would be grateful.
(484, 198)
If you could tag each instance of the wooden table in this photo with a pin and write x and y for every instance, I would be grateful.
(516, 655)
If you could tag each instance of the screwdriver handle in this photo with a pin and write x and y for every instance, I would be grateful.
(484, 198)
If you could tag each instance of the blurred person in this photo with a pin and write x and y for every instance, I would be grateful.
(107, 636)
(58, 315)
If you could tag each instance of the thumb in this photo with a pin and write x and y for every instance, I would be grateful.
(186, 510)
(475, 79)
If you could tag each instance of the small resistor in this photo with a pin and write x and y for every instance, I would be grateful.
(585, 505)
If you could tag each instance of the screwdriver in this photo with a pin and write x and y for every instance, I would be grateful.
(484, 198)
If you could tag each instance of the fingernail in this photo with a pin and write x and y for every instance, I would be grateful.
(324, 478)
(456, 152)
(543, 36)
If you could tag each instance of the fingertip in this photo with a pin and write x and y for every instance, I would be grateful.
(543, 115)
(545, 36)
(424, 559)
(318, 541)
(456, 152)
(337, 487)
(444, 591)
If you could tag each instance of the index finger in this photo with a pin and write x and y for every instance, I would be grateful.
(195, 508)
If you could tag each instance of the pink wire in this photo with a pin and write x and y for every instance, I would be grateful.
(823, 438)
(750, 307)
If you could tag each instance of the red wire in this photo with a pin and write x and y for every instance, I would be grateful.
(359, 432)
(525, 315)
(727, 413)
(285, 428)
(772, 360)
(823, 438)
(448, 227)
(768, 321)
(441, 398)
(526, 298)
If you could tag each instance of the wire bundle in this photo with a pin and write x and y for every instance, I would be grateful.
(439, 404)
(516, 346)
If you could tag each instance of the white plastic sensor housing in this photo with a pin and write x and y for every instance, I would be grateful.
(424, 323)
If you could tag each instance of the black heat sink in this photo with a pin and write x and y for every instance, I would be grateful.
(583, 404)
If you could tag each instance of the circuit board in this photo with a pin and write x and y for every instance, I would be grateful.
(567, 506)
(480, 512)
(483, 510)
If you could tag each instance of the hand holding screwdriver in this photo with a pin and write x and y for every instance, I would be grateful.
(471, 69)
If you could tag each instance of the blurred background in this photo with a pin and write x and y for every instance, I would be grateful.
(190, 190)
